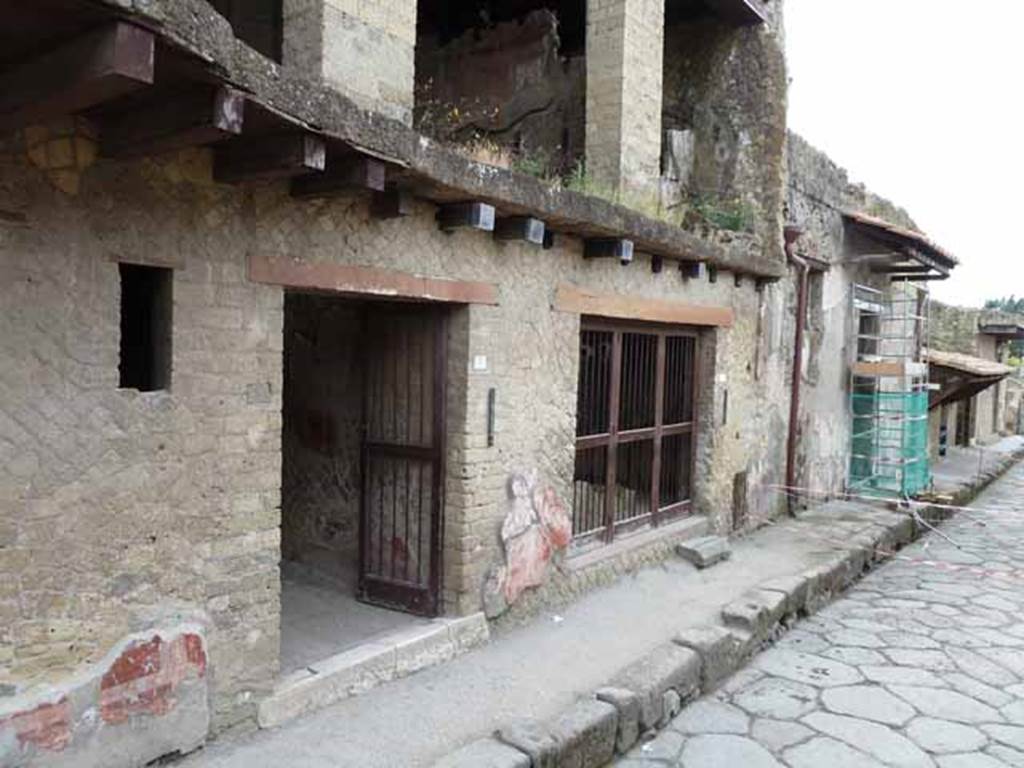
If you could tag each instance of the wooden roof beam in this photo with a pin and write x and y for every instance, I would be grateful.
(192, 119)
(344, 174)
(97, 67)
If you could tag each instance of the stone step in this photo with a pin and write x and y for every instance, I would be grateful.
(705, 551)
(367, 666)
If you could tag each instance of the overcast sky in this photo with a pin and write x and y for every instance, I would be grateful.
(923, 101)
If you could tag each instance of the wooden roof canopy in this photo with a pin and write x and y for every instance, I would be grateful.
(961, 376)
(171, 73)
(910, 255)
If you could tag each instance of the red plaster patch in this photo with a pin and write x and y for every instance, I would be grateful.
(144, 678)
(47, 726)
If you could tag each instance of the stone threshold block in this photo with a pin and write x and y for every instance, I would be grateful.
(365, 667)
(705, 551)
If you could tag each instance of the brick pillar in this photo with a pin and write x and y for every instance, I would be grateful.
(364, 49)
(625, 41)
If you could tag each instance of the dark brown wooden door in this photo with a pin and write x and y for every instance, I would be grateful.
(403, 458)
(635, 433)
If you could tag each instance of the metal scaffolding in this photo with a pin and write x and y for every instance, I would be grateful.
(889, 391)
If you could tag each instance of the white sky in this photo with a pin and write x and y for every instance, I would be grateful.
(923, 101)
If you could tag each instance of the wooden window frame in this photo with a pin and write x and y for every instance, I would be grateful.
(614, 437)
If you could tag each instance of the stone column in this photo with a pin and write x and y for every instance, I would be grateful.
(364, 49)
(625, 42)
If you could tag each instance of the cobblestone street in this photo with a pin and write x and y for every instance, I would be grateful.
(920, 664)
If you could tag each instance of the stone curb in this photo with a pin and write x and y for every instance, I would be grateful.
(647, 694)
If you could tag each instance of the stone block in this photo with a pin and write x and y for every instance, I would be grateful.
(667, 667)
(627, 705)
(422, 647)
(332, 680)
(756, 612)
(705, 551)
(671, 705)
(796, 588)
(722, 651)
(469, 632)
(586, 734)
(533, 739)
(486, 753)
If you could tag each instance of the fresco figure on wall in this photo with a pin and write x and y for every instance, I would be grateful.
(537, 527)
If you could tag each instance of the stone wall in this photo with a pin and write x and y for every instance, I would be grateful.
(509, 85)
(819, 192)
(727, 87)
(113, 502)
(365, 49)
(117, 505)
(954, 329)
(625, 40)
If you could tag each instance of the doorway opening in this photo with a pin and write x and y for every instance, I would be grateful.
(362, 472)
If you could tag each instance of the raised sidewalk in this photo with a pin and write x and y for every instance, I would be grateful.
(654, 638)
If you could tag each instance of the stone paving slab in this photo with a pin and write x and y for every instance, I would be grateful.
(919, 665)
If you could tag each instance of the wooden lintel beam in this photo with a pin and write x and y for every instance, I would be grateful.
(571, 298)
(366, 281)
(915, 278)
(269, 157)
(97, 67)
(393, 203)
(466, 215)
(343, 175)
(525, 228)
(609, 248)
(193, 119)
(902, 268)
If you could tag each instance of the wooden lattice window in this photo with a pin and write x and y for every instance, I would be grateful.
(636, 411)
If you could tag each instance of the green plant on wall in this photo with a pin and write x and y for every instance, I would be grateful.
(730, 215)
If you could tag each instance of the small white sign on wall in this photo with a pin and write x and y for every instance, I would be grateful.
(479, 362)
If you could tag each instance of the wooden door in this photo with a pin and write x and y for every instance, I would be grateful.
(403, 458)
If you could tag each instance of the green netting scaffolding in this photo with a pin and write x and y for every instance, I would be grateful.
(890, 443)
(889, 393)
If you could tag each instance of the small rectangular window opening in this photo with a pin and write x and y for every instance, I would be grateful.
(146, 303)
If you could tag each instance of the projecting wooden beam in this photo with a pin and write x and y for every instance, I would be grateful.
(193, 119)
(393, 203)
(690, 270)
(343, 175)
(609, 248)
(525, 228)
(102, 65)
(466, 215)
(269, 157)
